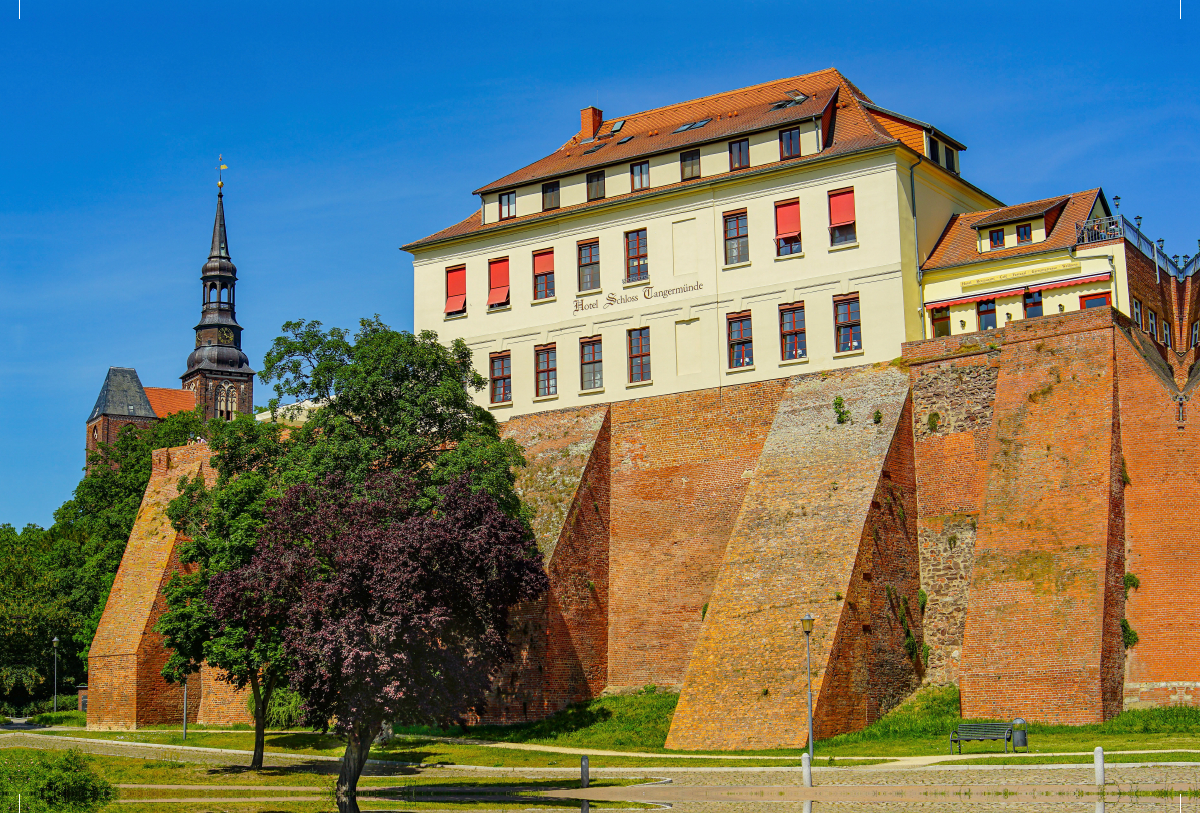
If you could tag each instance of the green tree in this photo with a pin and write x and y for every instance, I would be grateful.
(223, 523)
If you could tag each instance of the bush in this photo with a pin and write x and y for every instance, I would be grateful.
(63, 781)
(66, 702)
(77, 718)
(4, 720)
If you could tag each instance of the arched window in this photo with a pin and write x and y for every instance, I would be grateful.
(224, 293)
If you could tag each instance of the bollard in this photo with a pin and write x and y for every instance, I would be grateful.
(583, 772)
(807, 763)
(1099, 760)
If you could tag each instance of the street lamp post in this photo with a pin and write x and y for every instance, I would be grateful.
(807, 621)
(55, 674)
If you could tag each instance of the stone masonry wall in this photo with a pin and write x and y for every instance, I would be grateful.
(953, 399)
(819, 498)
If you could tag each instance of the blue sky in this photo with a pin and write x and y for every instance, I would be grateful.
(350, 129)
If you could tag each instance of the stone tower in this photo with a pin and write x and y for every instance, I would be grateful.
(218, 372)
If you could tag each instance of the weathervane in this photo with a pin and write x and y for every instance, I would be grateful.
(220, 166)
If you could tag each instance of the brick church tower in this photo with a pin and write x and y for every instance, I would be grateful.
(218, 372)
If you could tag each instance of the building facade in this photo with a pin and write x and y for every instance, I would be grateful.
(737, 238)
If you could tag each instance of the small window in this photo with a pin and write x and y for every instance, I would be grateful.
(737, 243)
(1024, 233)
(1033, 304)
(792, 341)
(741, 340)
(689, 165)
(950, 160)
(996, 238)
(1166, 328)
(639, 354)
(639, 175)
(591, 363)
(508, 205)
(789, 143)
(986, 311)
(1195, 333)
(847, 323)
(1101, 301)
(549, 196)
(739, 154)
(589, 266)
(787, 228)
(941, 322)
(934, 155)
(543, 275)
(498, 283)
(842, 228)
(501, 378)
(546, 366)
(1137, 314)
(637, 265)
(595, 185)
(1152, 323)
(456, 291)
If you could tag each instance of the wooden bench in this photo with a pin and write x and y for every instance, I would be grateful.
(981, 731)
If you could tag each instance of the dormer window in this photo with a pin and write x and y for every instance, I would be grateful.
(549, 196)
(508, 205)
(996, 238)
(1024, 233)
(934, 155)
(950, 160)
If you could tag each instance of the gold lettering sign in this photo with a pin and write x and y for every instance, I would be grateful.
(979, 282)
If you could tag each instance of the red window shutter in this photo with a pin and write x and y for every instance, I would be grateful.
(841, 207)
(498, 281)
(543, 263)
(787, 219)
(456, 289)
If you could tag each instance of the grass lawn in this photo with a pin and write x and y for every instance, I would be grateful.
(216, 782)
(1081, 759)
(411, 749)
(78, 718)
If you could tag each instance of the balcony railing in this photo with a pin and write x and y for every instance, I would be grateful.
(1101, 229)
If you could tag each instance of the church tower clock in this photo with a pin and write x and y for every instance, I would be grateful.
(217, 370)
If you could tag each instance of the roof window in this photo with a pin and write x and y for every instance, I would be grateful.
(626, 138)
(795, 98)
(593, 149)
(616, 128)
(691, 125)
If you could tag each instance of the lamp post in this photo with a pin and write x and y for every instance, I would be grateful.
(55, 642)
(807, 621)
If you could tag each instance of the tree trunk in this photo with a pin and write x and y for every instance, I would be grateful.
(358, 748)
(262, 697)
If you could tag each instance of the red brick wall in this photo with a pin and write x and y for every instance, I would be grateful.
(819, 496)
(679, 472)
(1160, 457)
(220, 703)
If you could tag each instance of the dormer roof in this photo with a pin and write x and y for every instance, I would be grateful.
(959, 243)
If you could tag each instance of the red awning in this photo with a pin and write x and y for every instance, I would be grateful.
(498, 282)
(841, 207)
(962, 300)
(498, 296)
(1063, 283)
(787, 219)
(455, 303)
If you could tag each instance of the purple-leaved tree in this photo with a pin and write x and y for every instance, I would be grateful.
(396, 611)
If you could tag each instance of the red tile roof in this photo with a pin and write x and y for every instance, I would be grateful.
(830, 94)
(959, 243)
(166, 402)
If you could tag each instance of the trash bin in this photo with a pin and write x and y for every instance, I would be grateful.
(1020, 736)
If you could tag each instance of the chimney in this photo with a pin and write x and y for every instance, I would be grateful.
(590, 119)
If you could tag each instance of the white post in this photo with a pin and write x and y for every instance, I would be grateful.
(185, 677)
(1098, 758)
(584, 773)
(806, 762)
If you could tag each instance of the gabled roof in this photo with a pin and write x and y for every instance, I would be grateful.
(166, 402)
(829, 94)
(959, 243)
(1021, 211)
(122, 394)
(945, 139)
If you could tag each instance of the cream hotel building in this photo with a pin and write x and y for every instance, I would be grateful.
(789, 227)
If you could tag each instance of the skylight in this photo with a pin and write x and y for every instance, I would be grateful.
(794, 99)
(616, 128)
(691, 125)
(626, 138)
(593, 149)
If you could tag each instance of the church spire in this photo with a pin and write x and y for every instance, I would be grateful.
(220, 243)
